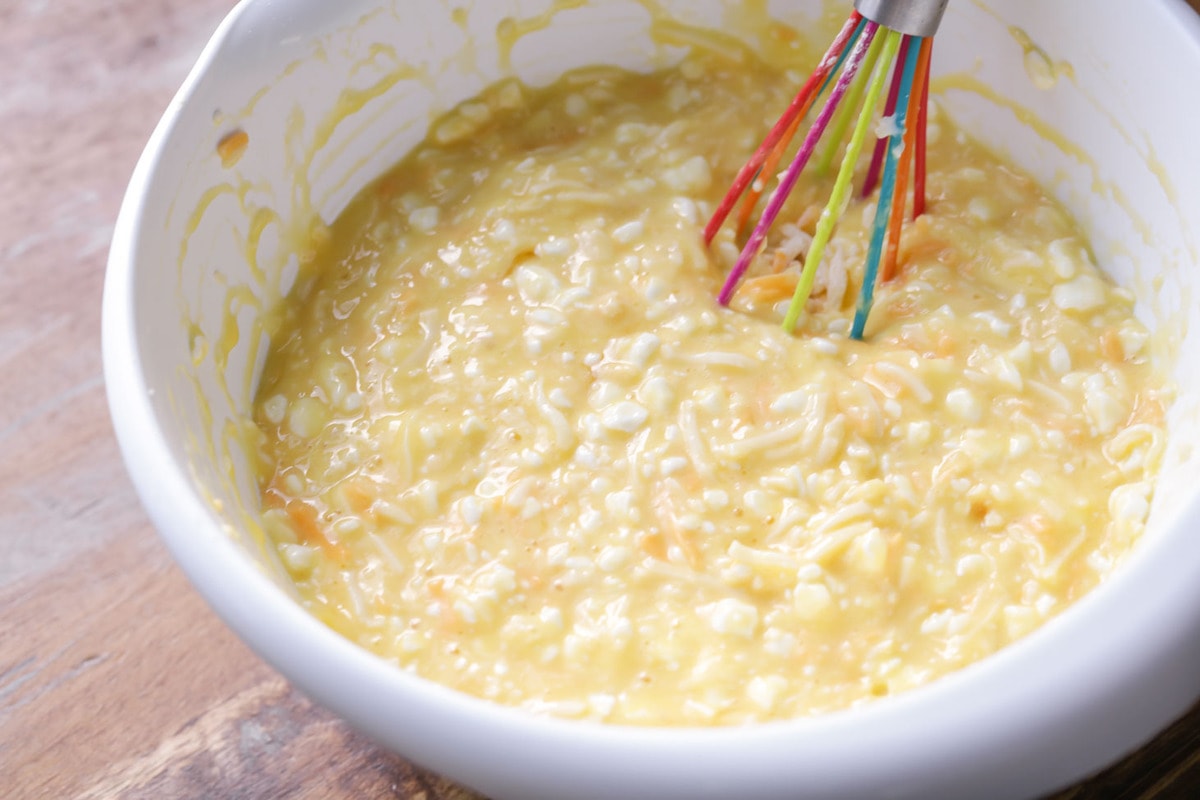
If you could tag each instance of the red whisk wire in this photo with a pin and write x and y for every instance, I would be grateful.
(922, 119)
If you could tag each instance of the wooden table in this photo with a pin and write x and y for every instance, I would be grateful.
(115, 679)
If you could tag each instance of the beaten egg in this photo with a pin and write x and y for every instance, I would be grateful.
(509, 441)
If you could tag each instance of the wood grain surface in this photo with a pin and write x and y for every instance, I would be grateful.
(115, 679)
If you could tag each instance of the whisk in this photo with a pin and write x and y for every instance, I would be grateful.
(880, 36)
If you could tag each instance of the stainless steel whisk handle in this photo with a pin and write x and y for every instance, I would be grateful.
(913, 17)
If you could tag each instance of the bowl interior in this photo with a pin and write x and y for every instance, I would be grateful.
(330, 95)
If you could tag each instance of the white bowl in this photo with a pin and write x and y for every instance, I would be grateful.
(181, 350)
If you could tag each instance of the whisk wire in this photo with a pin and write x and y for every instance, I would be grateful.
(841, 186)
(833, 57)
(788, 182)
(859, 60)
(911, 131)
(758, 186)
(922, 122)
(889, 109)
(841, 120)
(887, 190)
